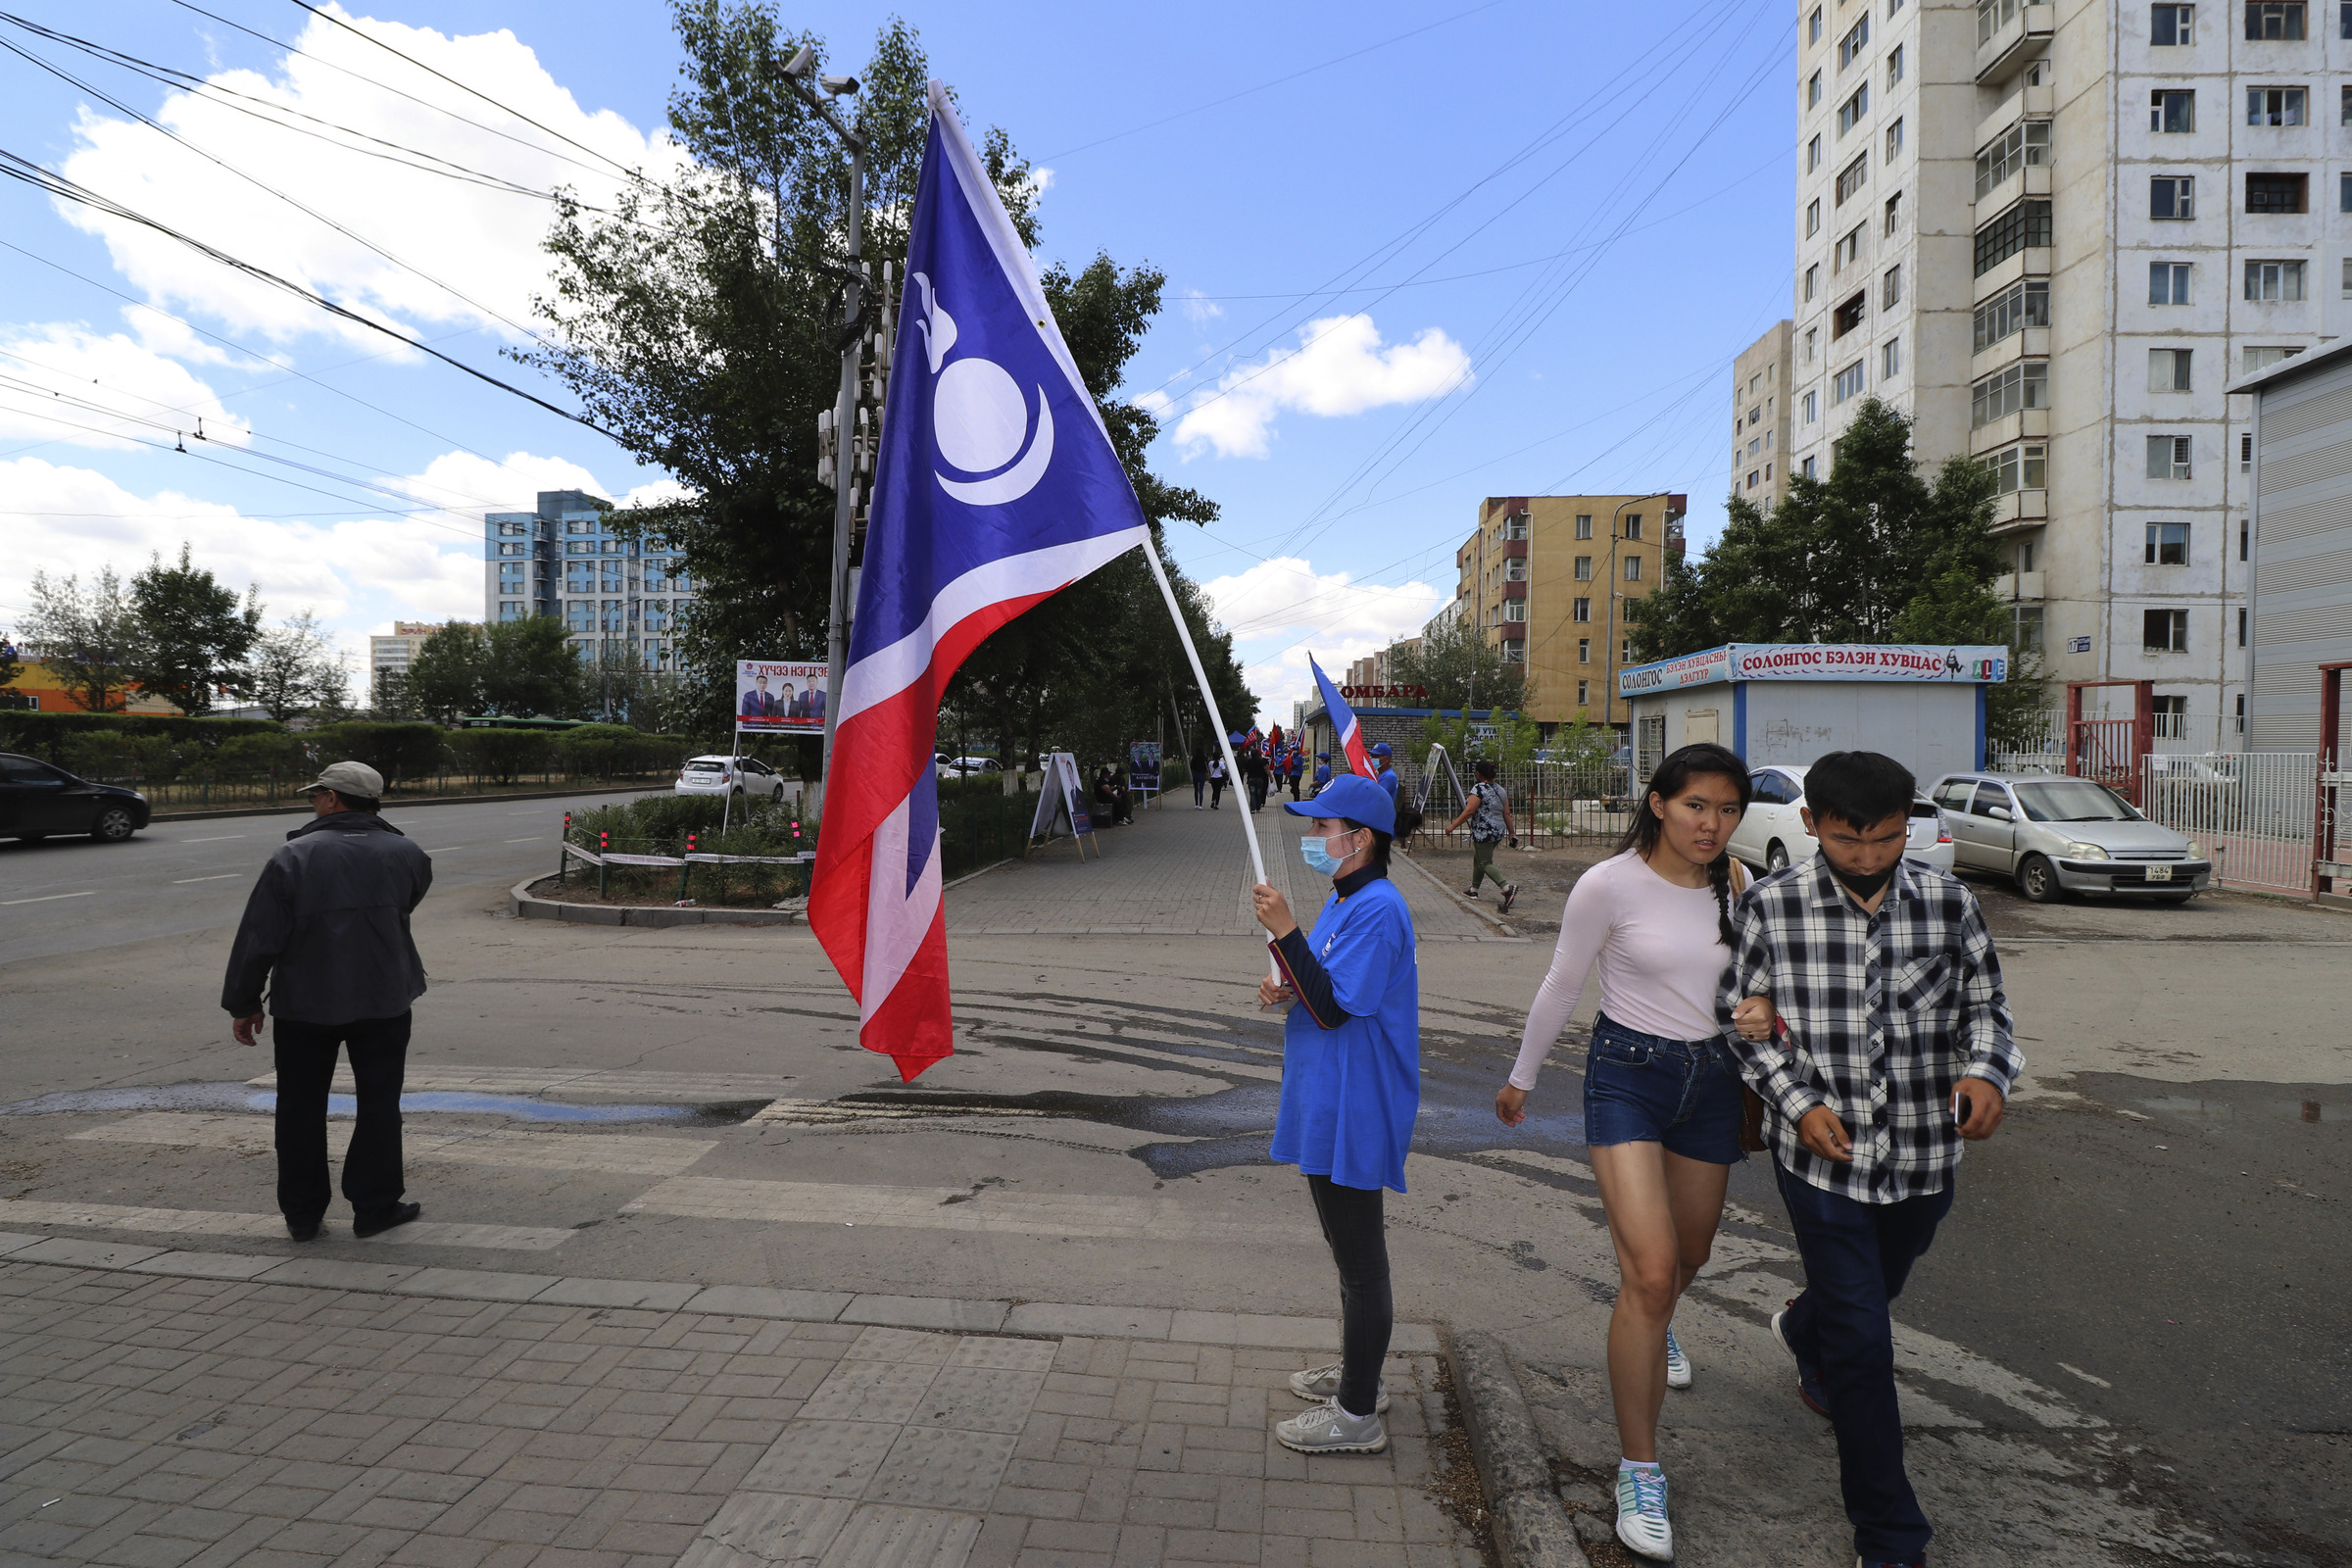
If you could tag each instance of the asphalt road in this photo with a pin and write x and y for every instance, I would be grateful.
(66, 895)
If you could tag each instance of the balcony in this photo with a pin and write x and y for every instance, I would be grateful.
(2018, 586)
(1515, 550)
(1514, 590)
(2032, 180)
(2033, 262)
(2010, 36)
(2028, 343)
(2038, 100)
(2026, 424)
(2020, 509)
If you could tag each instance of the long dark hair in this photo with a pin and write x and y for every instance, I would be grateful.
(1642, 833)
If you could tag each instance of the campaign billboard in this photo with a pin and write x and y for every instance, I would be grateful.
(779, 695)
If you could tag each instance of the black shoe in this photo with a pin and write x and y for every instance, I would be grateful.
(303, 1230)
(1510, 895)
(377, 1223)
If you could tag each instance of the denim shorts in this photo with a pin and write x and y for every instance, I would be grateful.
(1645, 1088)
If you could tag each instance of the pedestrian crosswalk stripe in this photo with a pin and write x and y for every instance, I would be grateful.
(214, 1222)
(510, 1149)
(953, 1208)
(673, 1087)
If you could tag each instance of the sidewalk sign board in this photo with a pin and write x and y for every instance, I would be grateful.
(1143, 768)
(1062, 798)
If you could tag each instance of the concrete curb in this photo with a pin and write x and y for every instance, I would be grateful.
(526, 908)
(401, 802)
(1531, 1527)
(1461, 902)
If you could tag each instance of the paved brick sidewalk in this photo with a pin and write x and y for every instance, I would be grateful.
(185, 1422)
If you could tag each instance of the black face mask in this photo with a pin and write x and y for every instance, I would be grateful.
(1863, 887)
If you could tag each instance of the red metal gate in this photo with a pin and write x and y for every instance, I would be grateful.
(2335, 793)
(2108, 750)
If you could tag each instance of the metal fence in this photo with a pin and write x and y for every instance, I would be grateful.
(2252, 810)
(1550, 805)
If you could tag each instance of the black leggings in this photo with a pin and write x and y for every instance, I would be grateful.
(1352, 1224)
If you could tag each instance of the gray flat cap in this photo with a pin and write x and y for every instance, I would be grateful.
(351, 780)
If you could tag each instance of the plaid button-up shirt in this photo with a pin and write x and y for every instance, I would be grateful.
(1885, 1013)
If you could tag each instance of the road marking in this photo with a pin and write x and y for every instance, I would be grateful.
(640, 1087)
(2085, 1376)
(513, 1149)
(953, 1208)
(445, 849)
(214, 1222)
(534, 839)
(49, 897)
(222, 839)
(222, 877)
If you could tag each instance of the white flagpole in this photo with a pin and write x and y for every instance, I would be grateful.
(1241, 793)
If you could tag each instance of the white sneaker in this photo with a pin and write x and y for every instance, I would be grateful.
(1328, 1429)
(1322, 1383)
(1678, 1365)
(1642, 1514)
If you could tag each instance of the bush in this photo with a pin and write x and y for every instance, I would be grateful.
(44, 735)
(615, 751)
(501, 756)
(258, 755)
(396, 751)
(658, 825)
(101, 756)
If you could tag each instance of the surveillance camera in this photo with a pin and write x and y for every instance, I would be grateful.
(801, 63)
(838, 86)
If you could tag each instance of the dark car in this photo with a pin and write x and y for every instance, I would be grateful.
(37, 800)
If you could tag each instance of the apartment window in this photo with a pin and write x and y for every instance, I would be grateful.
(1514, 571)
(2168, 459)
(1583, 568)
(1813, 153)
(1994, 15)
(2164, 631)
(2170, 25)
(2021, 467)
(2025, 555)
(1894, 212)
(2167, 369)
(1813, 91)
(2275, 106)
(1812, 341)
(2170, 715)
(1857, 37)
(1894, 67)
(2241, 628)
(1581, 611)
(2028, 142)
(2245, 464)
(1583, 526)
(1584, 692)
(2273, 281)
(1849, 249)
(1809, 469)
(2168, 542)
(2274, 20)
(1812, 218)
(1890, 359)
(1813, 26)
(1894, 138)
(2262, 359)
(1633, 568)
(2277, 193)
(2245, 528)
(1633, 525)
(1514, 651)
(1846, 383)
(2015, 308)
(1850, 112)
(1813, 284)
(1846, 317)
(1812, 406)
(1625, 650)
(2024, 227)
(2028, 629)
(2023, 385)
(2168, 283)
(1852, 177)
(1891, 287)
(1515, 527)
(2175, 196)
(1514, 610)
(1584, 651)
(2173, 110)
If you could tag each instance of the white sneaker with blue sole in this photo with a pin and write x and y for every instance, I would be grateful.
(1642, 1514)
(1678, 1365)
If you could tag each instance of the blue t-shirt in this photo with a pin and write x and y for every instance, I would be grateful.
(1387, 780)
(1349, 1095)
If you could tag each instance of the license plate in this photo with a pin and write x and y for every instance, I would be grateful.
(2160, 873)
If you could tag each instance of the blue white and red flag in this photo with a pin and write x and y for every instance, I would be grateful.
(996, 486)
(1342, 723)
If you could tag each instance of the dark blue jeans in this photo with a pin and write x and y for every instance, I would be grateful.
(1858, 1257)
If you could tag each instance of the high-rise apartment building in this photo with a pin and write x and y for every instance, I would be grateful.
(392, 656)
(1760, 419)
(1546, 579)
(2053, 233)
(618, 598)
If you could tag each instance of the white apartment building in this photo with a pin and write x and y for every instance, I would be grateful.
(392, 656)
(1760, 419)
(2053, 233)
(618, 598)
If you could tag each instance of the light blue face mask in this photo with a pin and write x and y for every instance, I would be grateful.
(1318, 859)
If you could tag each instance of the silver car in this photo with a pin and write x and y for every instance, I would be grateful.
(2058, 835)
(1771, 833)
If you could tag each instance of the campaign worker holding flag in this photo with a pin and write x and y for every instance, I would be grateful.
(1342, 723)
(995, 485)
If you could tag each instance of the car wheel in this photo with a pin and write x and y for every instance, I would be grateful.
(1776, 858)
(2037, 879)
(113, 825)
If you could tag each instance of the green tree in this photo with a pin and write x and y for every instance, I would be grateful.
(87, 638)
(194, 636)
(446, 677)
(529, 668)
(293, 670)
(1460, 668)
(11, 666)
(1839, 560)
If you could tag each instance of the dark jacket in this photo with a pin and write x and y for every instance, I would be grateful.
(330, 917)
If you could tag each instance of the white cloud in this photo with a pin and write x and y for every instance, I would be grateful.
(480, 241)
(121, 391)
(1283, 610)
(470, 486)
(1199, 309)
(1340, 368)
(659, 492)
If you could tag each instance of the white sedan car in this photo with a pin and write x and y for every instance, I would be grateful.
(747, 776)
(1772, 834)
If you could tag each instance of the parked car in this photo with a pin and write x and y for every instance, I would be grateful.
(968, 767)
(2058, 835)
(1772, 834)
(743, 776)
(37, 800)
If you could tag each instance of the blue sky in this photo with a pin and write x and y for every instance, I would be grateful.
(1416, 255)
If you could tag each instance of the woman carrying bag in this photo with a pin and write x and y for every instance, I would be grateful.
(1351, 1089)
(1662, 1100)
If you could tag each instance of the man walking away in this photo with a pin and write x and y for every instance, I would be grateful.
(327, 932)
(1199, 774)
(1898, 1046)
(1488, 813)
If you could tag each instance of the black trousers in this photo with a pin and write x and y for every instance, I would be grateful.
(306, 1068)
(1199, 787)
(1354, 1225)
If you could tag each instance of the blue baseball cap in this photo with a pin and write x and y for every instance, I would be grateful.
(1353, 797)
(1381, 750)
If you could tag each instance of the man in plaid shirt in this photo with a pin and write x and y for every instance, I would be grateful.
(1896, 1045)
